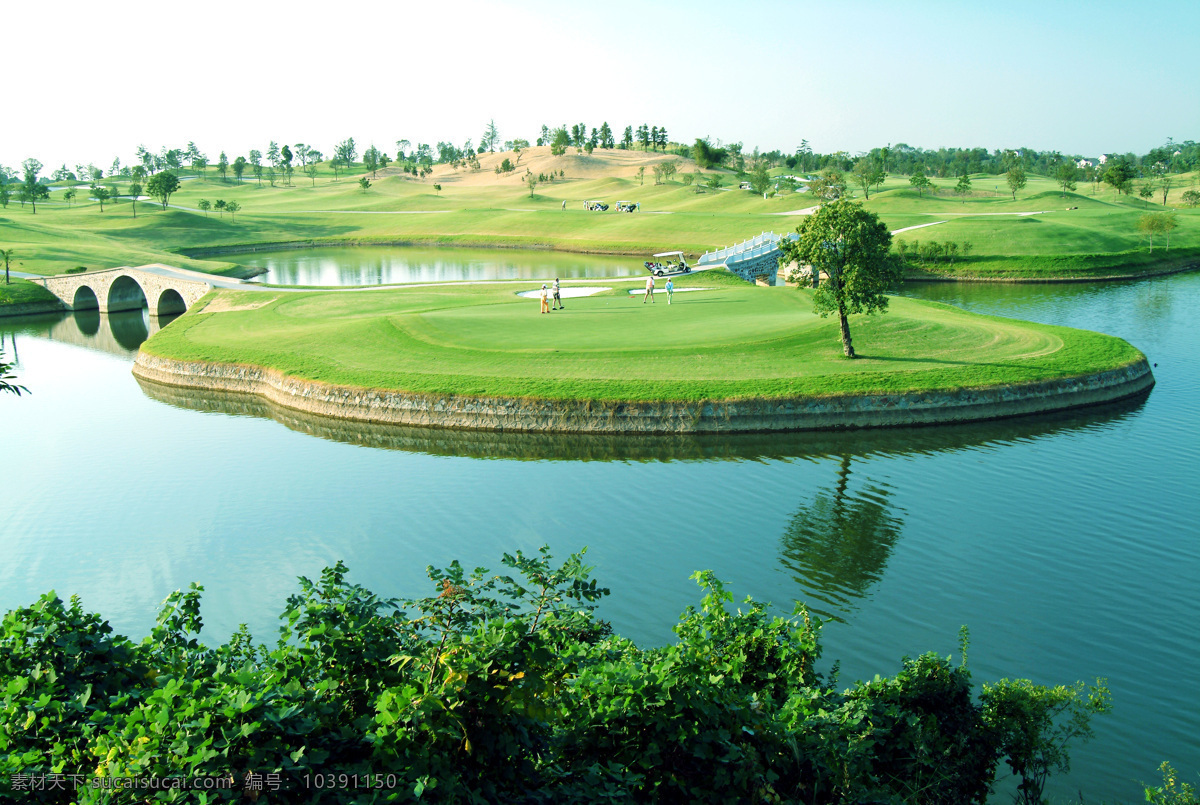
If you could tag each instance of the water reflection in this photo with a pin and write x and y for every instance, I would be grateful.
(88, 321)
(810, 445)
(838, 544)
(377, 265)
(119, 333)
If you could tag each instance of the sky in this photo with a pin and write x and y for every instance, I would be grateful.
(87, 81)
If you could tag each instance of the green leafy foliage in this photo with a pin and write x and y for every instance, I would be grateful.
(1173, 791)
(851, 248)
(1033, 725)
(502, 688)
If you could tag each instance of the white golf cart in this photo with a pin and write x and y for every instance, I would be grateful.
(628, 206)
(595, 206)
(667, 263)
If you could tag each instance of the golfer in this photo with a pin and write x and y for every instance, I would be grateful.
(558, 305)
(670, 289)
(545, 300)
(649, 289)
(564, 209)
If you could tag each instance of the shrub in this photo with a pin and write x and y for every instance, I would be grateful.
(502, 688)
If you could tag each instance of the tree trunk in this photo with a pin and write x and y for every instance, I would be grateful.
(847, 346)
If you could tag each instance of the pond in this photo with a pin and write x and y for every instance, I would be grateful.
(1068, 544)
(381, 265)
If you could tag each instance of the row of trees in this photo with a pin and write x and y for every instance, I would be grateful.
(648, 137)
(931, 251)
(220, 205)
(33, 189)
(1167, 159)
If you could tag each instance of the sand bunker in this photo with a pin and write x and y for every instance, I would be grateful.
(565, 292)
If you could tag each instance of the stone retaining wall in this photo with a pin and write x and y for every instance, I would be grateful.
(582, 416)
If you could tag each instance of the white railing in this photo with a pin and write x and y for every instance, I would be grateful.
(757, 246)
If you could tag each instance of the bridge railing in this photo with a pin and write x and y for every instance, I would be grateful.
(757, 246)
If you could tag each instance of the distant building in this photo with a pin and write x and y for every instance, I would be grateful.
(1103, 158)
(1084, 163)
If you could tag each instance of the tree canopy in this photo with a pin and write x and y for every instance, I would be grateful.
(852, 248)
(1015, 177)
(920, 182)
(32, 190)
(161, 186)
(867, 174)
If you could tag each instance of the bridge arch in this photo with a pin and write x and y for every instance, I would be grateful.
(162, 290)
(85, 299)
(170, 303)
(125, 293)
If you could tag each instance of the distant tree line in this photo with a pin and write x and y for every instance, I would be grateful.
(1149, 175)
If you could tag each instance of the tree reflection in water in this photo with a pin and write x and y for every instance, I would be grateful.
(838, 545)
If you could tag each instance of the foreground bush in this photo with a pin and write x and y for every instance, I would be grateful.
(500, 689)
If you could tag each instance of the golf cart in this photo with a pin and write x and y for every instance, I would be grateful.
(628, 206)
(595, 206)
(667, 263)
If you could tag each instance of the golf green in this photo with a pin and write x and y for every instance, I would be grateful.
(734, 344)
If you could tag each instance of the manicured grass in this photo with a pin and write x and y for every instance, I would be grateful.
(483, 209)
(21, 292)
(736, 341)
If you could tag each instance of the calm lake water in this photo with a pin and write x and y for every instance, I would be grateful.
(1068, 544)
(381, 265)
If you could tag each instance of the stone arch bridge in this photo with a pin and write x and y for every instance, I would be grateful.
(165, 290)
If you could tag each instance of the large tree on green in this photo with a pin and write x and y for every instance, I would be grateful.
(1120, 175)
(101, 194)
(828, 186)
(285, 155)
(346, 151)
(760, 180)
(920, 181)
(963, 188)
(371, 159)
(161, 186)
(1157, 223)
(867, 174)
(1016, 179)
(239, 167)
(852, 247)
(1065, 175)
(32, 190)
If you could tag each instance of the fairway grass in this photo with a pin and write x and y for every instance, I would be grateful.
(729, 343)
(1098, 238)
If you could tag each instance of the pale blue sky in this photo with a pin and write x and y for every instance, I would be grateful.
(1073, 76)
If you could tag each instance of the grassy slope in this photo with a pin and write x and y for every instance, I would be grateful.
(736, 341)
(1099, 238)
(21, 292)
(486, 209)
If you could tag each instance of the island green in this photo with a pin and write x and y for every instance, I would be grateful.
(730, 341)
